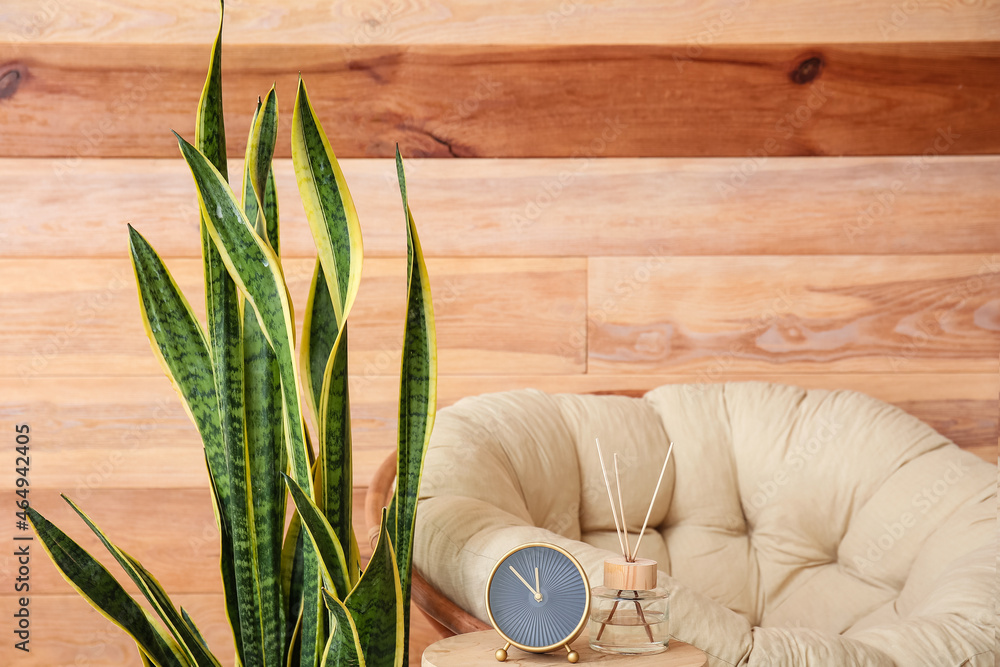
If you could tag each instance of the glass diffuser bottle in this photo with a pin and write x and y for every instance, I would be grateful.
(629, 615)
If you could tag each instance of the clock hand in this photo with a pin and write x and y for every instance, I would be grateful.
(538, 587)
(538, 596)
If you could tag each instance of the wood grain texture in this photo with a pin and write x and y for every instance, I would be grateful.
(67, 632)
(545, 207)
(884, 314)
(493, 315)
(108, 100)
(352, 23)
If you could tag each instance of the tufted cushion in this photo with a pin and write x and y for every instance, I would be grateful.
(793, 527)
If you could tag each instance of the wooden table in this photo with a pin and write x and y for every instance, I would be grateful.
(476, 649)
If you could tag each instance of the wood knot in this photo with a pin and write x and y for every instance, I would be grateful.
(10, 79)
(807, 71)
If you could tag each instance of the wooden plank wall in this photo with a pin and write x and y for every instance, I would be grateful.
(687, 192)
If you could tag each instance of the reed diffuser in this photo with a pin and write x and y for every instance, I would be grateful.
(629, 614)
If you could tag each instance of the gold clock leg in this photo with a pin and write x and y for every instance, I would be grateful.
(572, 655)
(501, 653)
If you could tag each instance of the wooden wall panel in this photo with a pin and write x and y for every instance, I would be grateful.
(91, 324)
(886, 314)
(545, 207)
(111, 100)
(352, 23)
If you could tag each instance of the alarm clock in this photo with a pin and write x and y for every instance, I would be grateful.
(538, 599)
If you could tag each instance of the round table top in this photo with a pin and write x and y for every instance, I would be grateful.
(477, 649)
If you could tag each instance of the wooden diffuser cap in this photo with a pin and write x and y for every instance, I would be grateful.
(639, 575)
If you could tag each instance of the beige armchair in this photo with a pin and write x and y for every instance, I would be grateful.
(793, 527)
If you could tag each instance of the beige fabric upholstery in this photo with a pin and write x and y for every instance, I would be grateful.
(793, 527)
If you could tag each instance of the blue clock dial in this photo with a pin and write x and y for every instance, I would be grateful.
(538, 597)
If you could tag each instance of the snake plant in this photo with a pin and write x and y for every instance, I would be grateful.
(296, 594)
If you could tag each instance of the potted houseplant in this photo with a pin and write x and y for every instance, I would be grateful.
(295, 595)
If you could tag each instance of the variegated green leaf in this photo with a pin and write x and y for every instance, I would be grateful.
(337, 232)
(257, 167)
(319, 334)
(254, 267)
(291, 569)
(313, 627)
(294, 653)
(271, 213)
(225, 339)
(189, 622)
(417, 398)
(333, 564)
(265, 454)
(180, 346)
(227, 567)
(334, 223)
(343, 648)
(266, 459)
(376, 605)
(328, 204)
(189, 644)
(295, 571)
(313, 624)
(105, 594)
(210, 127)
(335, 482)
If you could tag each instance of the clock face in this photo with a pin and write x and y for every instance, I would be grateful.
(538, 597)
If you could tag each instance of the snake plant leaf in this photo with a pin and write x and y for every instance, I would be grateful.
(343, 648)
(105, 594)
(189, 622)
(333, 564)
(324, 356)
(144, 659)
(335, 483)
(314, 617)
(227, 569)
(315, 573)
(190, 645)
(271, 213)
(225, 336)
(328, 204)
(295, 645)
(304, 619)
(257, 166)
(220, 293)
(291, 569)
(193, 643)
(265, 458)
(254, 267)
(376, 605)
(210, 128)
(179, 344)
(240, 511)
(334, 222)
(313, 632)
(417, 399)
(319, 334)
